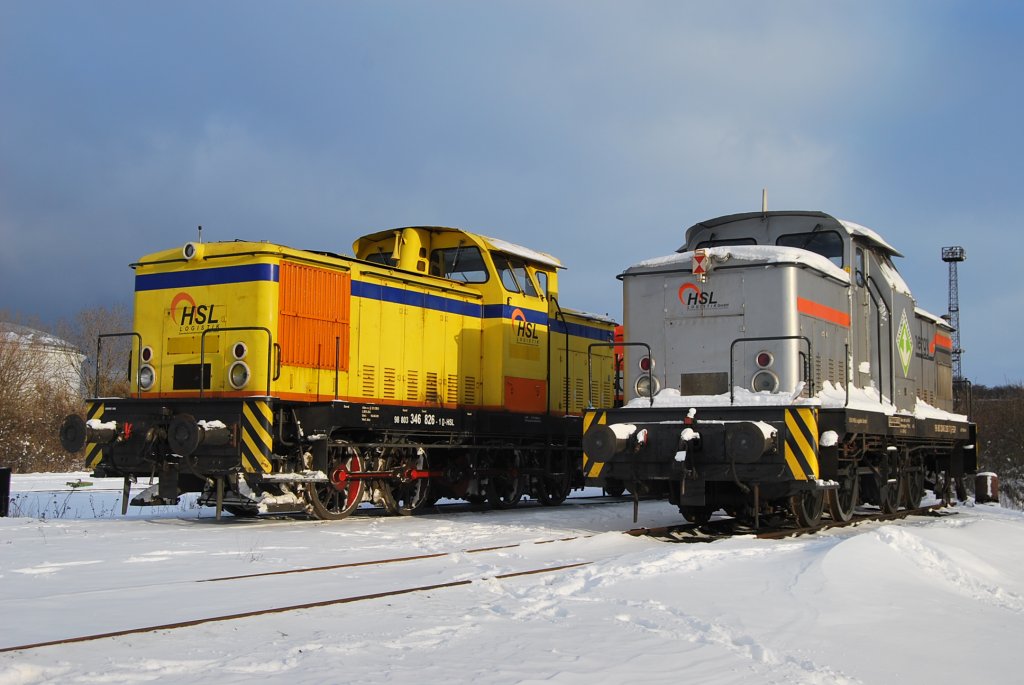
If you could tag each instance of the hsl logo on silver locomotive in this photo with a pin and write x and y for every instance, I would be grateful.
(693, 297)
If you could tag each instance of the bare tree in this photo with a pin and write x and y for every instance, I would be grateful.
(38, 387)
(112, 371)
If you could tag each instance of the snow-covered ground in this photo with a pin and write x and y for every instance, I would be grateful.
(924, 600)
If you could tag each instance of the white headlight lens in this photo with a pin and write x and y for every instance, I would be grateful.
(765, 381)
(643, 386)
(238, 375)
(147, 376)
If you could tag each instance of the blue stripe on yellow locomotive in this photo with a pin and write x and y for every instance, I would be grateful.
(199, 277)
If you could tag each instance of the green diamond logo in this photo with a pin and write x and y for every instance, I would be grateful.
(905, 344)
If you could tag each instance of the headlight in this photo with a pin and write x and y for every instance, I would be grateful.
(643, 386)
(147, 376)
(239, 350)
(146, 354)
(764, 381)
(238, 375)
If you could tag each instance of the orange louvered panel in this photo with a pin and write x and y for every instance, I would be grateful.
(314, 322)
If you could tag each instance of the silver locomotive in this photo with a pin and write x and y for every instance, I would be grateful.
(777, 363)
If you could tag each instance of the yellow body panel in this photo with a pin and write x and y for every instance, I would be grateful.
(384, 328)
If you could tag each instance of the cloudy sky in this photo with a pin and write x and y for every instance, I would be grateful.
(596, 131)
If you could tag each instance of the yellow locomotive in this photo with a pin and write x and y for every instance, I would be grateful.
(435, 363)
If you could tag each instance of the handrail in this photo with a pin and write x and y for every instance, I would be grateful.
(590, 380)
(138, 365)
(892, 362)
(559, 314)
(202, 352)
(732, 349)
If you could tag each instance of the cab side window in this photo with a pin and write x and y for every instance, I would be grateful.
(464, 264)
(382, 256)
(514, 276)
(524, 279)
(542, 281)
(829, 244)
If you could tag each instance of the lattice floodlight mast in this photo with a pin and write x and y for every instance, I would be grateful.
(952, 256)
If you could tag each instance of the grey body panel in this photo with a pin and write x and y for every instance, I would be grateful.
(845, 328)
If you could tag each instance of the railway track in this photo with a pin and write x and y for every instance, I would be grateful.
(287, 608)
(726, 528)
(376, 584)
(504, 569)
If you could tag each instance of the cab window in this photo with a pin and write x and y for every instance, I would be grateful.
(514, 276)
(465, 264)
(725, 242)
(829, 244)
(383, 253)
(542, 281)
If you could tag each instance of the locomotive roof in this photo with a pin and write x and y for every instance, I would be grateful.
(851, 228)
(491, 243)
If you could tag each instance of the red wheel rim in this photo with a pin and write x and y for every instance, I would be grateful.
(341, 478)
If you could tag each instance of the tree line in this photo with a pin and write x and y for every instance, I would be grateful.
(999, 413)
(44, 377)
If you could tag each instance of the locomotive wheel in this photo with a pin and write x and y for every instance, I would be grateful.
(504, 484)
(842, 500)
(553, 485)
(553, 489)
(807, 508)
(881, 488)
(340, 496)
(458, 476)
(889, 495)
(406, 495)
(913, 486)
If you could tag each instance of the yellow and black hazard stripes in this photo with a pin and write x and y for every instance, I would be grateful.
(257, 436)
(93, 450)
(591, 468)
(801, 449)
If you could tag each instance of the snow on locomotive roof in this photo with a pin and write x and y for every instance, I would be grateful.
(524, 252)
(854, 229)
(937, 320)
(769, 254)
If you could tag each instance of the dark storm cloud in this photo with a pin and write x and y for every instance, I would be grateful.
(594, 131)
